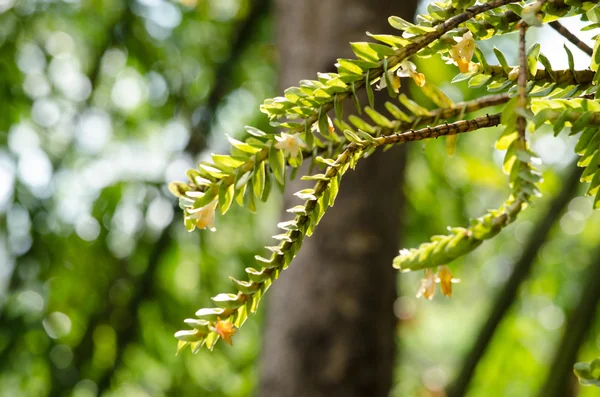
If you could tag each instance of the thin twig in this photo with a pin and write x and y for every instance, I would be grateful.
(520, 273)
(571, 37)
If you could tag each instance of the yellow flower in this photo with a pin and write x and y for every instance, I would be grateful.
(225, 330)
(462, 52)
(444, 277)
(290, 144)
(409, 69)
(427, 288)
(204, 217)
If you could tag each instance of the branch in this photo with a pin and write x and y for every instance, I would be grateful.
(571, 37)
(566, 76)
(520, 273)
(233, 309)
(455, 128)
(578, 325)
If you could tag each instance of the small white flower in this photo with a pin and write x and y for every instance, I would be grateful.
(204, 217)
(290, 144)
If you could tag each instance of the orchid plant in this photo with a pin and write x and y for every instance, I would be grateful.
(314, 128)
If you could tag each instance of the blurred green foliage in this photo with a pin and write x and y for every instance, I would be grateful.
(100, 99)
(106, 101)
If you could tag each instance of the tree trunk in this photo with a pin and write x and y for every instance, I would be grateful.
(330, 324)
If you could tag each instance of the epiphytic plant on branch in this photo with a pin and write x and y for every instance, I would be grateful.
(313, 128)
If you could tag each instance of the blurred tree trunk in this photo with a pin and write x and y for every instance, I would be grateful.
(330, 323)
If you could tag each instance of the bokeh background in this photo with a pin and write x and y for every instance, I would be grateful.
(102, 103)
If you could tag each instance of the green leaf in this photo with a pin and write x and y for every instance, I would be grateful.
(228, 161)
(349, 66)
(207, 197)
(560, 121)
(228, 301)
(437, 96)
(244, 147)
(546, 63)
(355, 99)
(371, 52)
(249, 202)
(532, 58)
(412, 106)
(360, 123)
(396, 112)
(226, 194)
(502, 60)
(306, 194)
(596, 55)
(482, 60)
(369, 90)
(479, 80)
(388, 81)
(277, 164)
(337, 106)
(352, 137)
(334, 187)
(258, 179)
(592, 167)
(289, 225)
(255, 131)
(570, 58)
(588, 135)
(581, 123)
(399, 23)
(378, 118)
(391, 40)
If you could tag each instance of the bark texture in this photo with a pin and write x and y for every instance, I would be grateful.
(330, 323)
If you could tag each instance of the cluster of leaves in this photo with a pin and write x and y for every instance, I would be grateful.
(334, 146)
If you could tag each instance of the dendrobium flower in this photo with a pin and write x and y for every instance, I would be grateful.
(204, 217)
(409, 69)
(445, 278)
(225, 330)
(462, 52)
(427, 288)
(406, 69)
(290, 144)
(394, 81)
